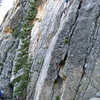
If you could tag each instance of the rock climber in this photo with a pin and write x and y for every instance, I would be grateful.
(0, 94)
(4, 96)
(16, 97)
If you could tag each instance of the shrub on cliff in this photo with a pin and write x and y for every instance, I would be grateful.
(23, 60)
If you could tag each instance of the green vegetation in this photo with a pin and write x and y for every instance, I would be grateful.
(23, 61)
(38, 63)
(66, 40)
(57, 98)
(42, 59)
(1, 64)
(6, 37)
(15, 33)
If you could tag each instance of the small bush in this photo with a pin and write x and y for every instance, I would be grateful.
(66, 40)
(57, 98)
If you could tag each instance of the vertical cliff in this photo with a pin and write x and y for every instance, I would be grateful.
(63, 42)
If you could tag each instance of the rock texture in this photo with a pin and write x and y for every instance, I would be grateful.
(69, 44)
(8, 46)
(65, 46)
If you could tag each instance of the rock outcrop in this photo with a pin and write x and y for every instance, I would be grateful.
(65, 50)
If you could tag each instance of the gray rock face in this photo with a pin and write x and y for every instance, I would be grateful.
(65, 46)
(15, 16)
(70, 70)
(8, 46)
